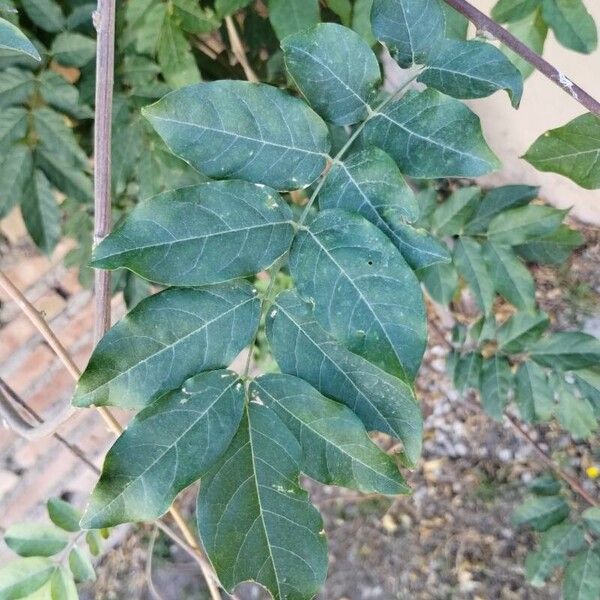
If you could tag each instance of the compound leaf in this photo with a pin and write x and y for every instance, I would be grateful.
(203, 234)
(383, 402)
(236, 129)
(336, 449)
(255, 521)
(318, 59)
(166, 339)
(363, 291)
(165, 448)
(572, 150)
(430, 135)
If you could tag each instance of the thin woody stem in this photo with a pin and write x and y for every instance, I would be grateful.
(483, 23)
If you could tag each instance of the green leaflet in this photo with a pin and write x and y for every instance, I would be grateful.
(236, 129)
(369, 183)
(165, 448)
(81, 566)
(471, 69)
(588, 382)
(582, 575)
(317, 60)
(575, 414)
(145, 20)
(573, 26)
(520, 225)
(520, 330)
(510, 276)
(495, 385)
(513, 10)
(383, 402)
(552, 249)
(533, 395)
(46, 14)
(419, 248)
(468, 371)
(441, 282)
(198, 235)
(545, 485)
(34, 539)
(13, 126)
(15, 87)
(541, 512)
(336, 449)
(342, 8)
(62, 96)
(62, 586)
(41, 213)
(566, 350)
(572, 150)
(451, 216)
(22, 577)
(457, 25)
(227, 7)
(363, 291)
(497, 201)
(11, 38)
(532, 31)
(164, 340)
(16, 170)
(73, 49)
(255, 521)
(63, 514)
(430, 135)
(175, 56)
(591, 518)
(469, 261)
(361, 20)
(555, 545)
(410, 28)
(292, 16)
(193, 18)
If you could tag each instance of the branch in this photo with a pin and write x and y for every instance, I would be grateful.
(484, 23)
(547, 459)
(238, 50)
(104, 21)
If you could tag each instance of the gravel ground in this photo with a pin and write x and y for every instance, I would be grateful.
(452, 538)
